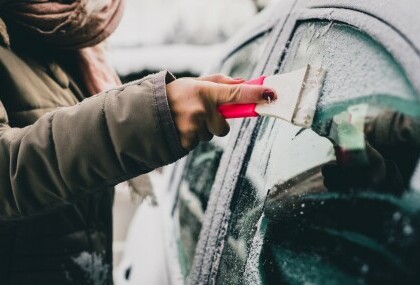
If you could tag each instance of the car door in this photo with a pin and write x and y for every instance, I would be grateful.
(337, 204)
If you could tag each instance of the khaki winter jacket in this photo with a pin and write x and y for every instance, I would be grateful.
(60, 158)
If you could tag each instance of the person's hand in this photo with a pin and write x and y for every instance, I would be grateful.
(193, 103)
(346, 177)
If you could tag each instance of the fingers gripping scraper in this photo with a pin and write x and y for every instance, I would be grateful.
(298, 93)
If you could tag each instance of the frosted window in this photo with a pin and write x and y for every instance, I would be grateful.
(244, 61)
(194, 192)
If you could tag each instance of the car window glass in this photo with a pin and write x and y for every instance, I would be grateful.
(194, 192)
(335, 208)
(203, 162)
(356, 65)
(354, 219)
(243, 62)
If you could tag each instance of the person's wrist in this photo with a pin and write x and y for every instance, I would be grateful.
(164, 113)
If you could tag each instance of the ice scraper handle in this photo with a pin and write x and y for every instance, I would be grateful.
(238, 111)
(232, 111)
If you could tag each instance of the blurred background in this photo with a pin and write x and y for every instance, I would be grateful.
(183, 36)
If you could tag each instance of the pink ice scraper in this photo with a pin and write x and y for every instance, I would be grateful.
(298, 93)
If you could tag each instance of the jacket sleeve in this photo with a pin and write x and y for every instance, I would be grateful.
(97, 143)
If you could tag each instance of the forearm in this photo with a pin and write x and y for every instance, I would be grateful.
(100, 142)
